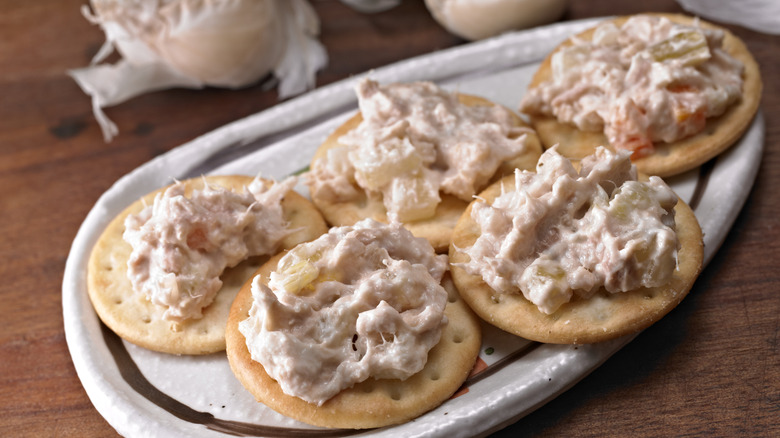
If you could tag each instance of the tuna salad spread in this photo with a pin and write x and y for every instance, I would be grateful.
(361, 301)
(181, 245)
(649, 80)
(562, 232)
(415, 141)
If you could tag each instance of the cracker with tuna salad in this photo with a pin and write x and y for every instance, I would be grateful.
(362, 328)
(155, 300)
(417, 154)
(574, 257)
(674, 90)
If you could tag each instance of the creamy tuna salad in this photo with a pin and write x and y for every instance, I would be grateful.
(562, 232)
(361, 301)
(649, 80)
(182, 244)
(415, 142)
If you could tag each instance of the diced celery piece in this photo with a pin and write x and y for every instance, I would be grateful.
(606, 34)
(644, 251)
(631, 196)
(412, 197)
(567, 59)
(556, 273)
(544, 283)
(689, 47)
(377, 166)
(299, 276)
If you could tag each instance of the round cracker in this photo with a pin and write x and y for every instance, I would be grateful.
(602, 317)
(438, 228)
(371, 403)
(136, 319)
(668, 159)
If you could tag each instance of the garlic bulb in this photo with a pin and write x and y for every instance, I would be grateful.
(195, 43)
(371, 6)
(477, 19)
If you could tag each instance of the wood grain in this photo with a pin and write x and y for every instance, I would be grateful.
(711, 367)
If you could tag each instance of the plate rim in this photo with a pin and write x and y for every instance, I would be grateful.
(123, 411)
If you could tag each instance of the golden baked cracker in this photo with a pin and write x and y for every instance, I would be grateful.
(602, 317)
(668, 158)
(371, 403)
(436, 229)
(136, 319)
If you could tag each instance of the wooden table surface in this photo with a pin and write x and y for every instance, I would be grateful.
(711, 367)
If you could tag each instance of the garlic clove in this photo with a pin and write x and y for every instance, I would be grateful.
(223, 46)
(195, 43)
(478, 19)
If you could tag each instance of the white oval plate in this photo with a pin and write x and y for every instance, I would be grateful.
(143, 393)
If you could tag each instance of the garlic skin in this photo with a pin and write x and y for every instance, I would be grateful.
(197, 43)
(206, 43)
(478, 19)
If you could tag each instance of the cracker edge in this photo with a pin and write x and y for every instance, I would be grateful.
(437, 229)
(350, 409)
(669, 159)
(183, 342)
(522, 318)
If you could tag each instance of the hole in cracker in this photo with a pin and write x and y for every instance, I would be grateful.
(457, 338)
(368, 388)
(118, 301)
(395, 394)
(434, 375)
(147, 319)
